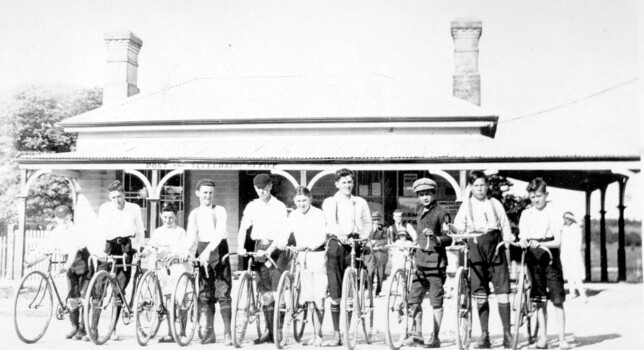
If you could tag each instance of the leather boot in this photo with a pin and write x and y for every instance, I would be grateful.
(416, 338)
(209, 316)
(81, 333)
(484, 341)
(267, 336)
(73, 317)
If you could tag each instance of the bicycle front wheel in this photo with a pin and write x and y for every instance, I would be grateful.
(147, 307)
(100, 307)
(520, 302)
(283, 315)
(183, 309)
(243, 308)
(350, 305)
(300, 309)
(366, 306)
(397, 312)
(33, 306)
(463, 309)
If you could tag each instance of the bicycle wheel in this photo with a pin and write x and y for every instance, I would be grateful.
(284, 312)
(147, 307)
(243, 308)
(531, 320)
(350, 304)
(366, 306)
(520, 300)
(183, 309)
(100, 307)
(300, 309)
(33, 306)
(397, 312)
(463, 309)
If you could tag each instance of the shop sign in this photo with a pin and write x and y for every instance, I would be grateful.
(210, 166)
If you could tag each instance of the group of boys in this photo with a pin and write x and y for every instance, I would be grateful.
(347, 216)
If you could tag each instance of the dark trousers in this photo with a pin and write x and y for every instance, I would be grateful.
(216, 287)
(376, 267)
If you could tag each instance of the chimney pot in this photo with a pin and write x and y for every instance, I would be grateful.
(466, 33)
(122, 64)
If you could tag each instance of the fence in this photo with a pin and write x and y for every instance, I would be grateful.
(9, 247)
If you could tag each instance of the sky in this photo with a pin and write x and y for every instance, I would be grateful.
(534, 55)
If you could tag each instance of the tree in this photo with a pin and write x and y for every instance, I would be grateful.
(29, 125)
(513, 204)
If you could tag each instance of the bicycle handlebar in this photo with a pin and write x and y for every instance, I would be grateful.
(517, 244)
(268, 258)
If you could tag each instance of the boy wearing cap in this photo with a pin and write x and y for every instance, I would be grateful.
(431, 260)
(207, 230)
(377, 261)
(65, 239)
(540, 225)
(120, 222)
(268, 217)
(346, 216)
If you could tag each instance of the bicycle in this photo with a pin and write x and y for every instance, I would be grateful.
(249, 305)
(184, 301)
(397, 299)
(289, 308)
(33, 302)
(149, 302)
(105, 296)
(357, 299)
(522, 306)
(463, 291)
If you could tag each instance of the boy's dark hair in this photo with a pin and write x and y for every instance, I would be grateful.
(302, 191)
(397, 211)
(168, 207)
(205, 182)
(344, 172)
(536, 185)
(116, 185)
(475, 175)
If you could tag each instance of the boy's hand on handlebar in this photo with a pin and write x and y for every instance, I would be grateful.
(534, 244)
(241, 252)
(260, 253)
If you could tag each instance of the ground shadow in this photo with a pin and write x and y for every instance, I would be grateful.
(590, 292)
(594, 339)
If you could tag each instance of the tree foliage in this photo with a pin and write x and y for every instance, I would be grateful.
(513, 204)
(28, 125)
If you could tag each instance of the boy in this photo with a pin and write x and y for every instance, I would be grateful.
(65, 239)
(540, 225)
(431, 261)
(486, 215)
(120, 222)
(377, 261)
(268, 217)
(207, 229)
(346, 216)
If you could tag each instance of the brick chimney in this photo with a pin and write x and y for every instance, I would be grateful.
(122, 65)
(467, 81)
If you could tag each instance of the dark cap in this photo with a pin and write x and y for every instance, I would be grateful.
(62, 211)
(261, 180)
(205, 182)
(423, 184)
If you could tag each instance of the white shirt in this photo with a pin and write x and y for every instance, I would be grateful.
(126, 222)
(65, 239)
(268, 219)
(347, 215)
(173, 240)
(483, 217)
(207, 224)
(309, 229)
(540, 224)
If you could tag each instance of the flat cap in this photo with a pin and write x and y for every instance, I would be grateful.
(62, 211)
(423, 184)
(261, 180)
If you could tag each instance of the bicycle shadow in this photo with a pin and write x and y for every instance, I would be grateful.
(592, 339)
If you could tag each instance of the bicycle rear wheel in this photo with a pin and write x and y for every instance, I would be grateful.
(300, 309)
(147, 307)
(397, 312)
(283, 315)
(243, 307)
(100, 307)
(463, 309)
(183, 309)
(366, 306)
(33, 306)
(350, 305)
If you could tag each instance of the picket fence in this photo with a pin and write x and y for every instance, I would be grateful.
(9, 247)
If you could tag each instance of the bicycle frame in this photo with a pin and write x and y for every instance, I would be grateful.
(127, 312)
